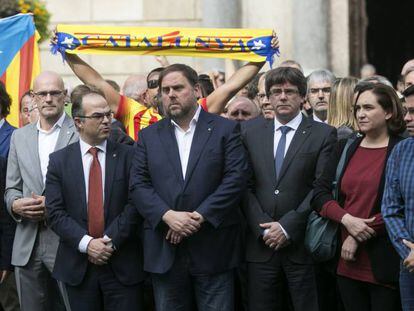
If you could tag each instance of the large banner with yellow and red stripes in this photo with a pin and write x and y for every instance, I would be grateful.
(19, 58)
(252, 45)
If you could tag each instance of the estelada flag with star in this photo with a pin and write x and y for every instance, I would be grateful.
(252, 45)
(19, 58)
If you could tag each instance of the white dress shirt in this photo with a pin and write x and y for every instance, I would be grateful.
(47, 142)
(315, 118)
(185, 139)
(86, 163)
(2, 122)
(293, 124)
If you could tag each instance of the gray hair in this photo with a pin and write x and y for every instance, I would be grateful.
(322, 75)
(377, 79)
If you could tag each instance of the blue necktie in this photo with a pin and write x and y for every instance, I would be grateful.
(280, 151)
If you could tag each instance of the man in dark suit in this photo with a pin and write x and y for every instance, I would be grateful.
(286, 154)
(188, 173)
(6, 129)
(8, 292)
(99, 254)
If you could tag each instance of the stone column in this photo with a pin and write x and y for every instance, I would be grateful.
(220, 14)
(310, 33)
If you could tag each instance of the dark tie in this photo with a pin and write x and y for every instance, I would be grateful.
(280, 151)
(95, 197)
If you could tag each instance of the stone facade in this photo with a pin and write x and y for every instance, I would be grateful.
(315, 33)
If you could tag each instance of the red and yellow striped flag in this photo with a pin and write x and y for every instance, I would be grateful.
(19, 58)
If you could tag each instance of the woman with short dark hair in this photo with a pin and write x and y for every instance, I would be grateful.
(368, 265)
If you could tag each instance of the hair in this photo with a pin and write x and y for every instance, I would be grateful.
(322, 75)
(388, 99)
(5, 101)
(407, 72)
(291, 63)
(114, 85)
(77, 95)
(376, 79)
(282, 75)
(244, 99)
(409, 91)
(158, 69)
(206, 85)
(253, 86)
(189, 73)
(341, 103)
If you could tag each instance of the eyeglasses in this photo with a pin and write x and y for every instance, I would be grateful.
(410, 111)
(288, 92)
(325, 90)
(152, 84)
(99, 116)
(43, 94)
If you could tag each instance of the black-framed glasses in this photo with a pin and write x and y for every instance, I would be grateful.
(152, 84)
(99, 116)
(316, 90)
(43, 94)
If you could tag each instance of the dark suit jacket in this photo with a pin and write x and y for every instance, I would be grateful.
(5, 135)
(67, 213)
(286, 200)
(215, 177)
(384, 259)
(7, 225)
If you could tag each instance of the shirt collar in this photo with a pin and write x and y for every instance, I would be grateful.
(315, 118)
(58, 123)
(84, 146)
(2, 121)
(293, 124)
(193, 121)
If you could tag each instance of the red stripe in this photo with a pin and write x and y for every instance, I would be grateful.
(3, 78)
(26, 66)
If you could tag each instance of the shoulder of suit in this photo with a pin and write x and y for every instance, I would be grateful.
(23, 131)
(320, 126)
(255, 123)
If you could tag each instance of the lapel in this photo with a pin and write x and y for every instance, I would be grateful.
(202, 133)
(75, 163)
(66, 133)
(110, 166)
(267, 142)
(33, 148)
(301, 134)
(169, 143)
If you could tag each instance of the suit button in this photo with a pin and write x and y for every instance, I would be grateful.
(277, 191)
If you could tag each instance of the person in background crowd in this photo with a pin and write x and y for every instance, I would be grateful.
(397, 204)
(25, 107)
(35, 244)
(340, 112)
(368, 266)
(242, 109)
(319, 90)
(367, 71)
(408, 64)
(98, 258)
(9, 300)
(191, 234)
(135, 87)
(408, 77)
(6, 129)
(264, 103)
(408, 108)
(291, 63)
(375, 79)
(206, 85)
(115, 85)
(286, 154)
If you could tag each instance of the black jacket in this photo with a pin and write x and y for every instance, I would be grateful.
(384, 260)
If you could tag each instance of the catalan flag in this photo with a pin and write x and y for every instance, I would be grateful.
(19, 58)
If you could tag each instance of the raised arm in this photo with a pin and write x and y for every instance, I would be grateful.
(90, 76)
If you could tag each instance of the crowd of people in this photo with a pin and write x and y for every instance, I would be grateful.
(185, 191)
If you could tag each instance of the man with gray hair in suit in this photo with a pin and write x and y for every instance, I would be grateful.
(35, 244)
(319, 91)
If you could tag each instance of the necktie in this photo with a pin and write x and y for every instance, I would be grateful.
(280, 151)
(95, 197)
